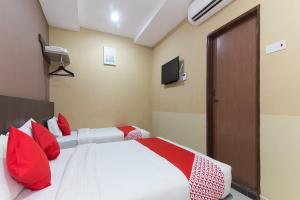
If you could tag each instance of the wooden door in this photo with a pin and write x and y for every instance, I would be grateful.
(234, 100)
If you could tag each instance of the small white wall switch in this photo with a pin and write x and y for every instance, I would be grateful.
(277, 46)
(183, 77)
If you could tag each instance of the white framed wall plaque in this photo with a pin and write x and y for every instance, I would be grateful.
(110, 56)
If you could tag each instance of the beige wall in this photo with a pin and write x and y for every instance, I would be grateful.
(101, 96)
(23, 72)
(178, 112)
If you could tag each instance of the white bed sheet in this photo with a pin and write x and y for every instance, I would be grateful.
(110, 174)
(69, 141)
(99, 135)
(57, 170)
(147, 175)
(104, 135)
(106, 172)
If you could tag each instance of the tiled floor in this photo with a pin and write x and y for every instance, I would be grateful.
(235, 195)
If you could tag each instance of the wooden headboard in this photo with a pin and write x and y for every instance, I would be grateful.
(16, 111)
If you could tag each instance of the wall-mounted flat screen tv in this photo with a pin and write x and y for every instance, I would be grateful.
(170, 71)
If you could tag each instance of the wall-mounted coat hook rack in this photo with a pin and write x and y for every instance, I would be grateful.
(43, 45)
(56, 54)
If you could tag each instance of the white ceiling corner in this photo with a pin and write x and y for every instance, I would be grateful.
(169, 15)
(146, 22)
(61, 13)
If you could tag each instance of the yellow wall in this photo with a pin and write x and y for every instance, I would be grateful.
(101, 96)
(178, 111)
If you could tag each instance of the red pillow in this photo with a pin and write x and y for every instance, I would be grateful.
(63, 125)
(26, 162)
(46, 140)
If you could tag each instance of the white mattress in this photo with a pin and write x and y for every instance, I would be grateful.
(69, 141)
(107, 172)
(104, 135)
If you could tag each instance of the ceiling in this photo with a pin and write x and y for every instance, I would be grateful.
(145, 21)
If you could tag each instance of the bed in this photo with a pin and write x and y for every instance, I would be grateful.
(106, 172)
(127, 170)
(96, 135)
(102, 135)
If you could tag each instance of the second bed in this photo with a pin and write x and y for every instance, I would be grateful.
(101, 135)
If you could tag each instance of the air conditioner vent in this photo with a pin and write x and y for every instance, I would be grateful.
(201, 10)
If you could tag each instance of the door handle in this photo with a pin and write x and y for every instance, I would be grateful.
(216, 100)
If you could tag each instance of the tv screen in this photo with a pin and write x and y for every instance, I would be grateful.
(170, 71)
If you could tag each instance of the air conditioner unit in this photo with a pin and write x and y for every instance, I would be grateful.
(201, 10)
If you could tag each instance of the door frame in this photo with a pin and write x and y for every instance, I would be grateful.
(209, 93)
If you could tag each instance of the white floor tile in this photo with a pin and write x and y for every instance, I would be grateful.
(238, 196)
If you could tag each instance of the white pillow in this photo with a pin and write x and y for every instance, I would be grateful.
(3, 145)
(27, 128)
(53, 127)
(10, 189)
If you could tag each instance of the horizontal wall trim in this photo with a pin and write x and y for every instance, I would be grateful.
(204, 113)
